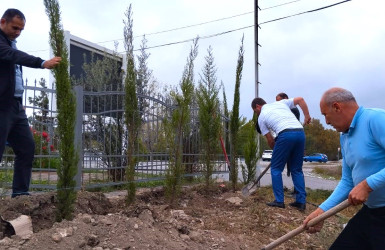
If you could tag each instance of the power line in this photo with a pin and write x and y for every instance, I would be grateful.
(199, 24)
(245, 27)
(233, 30)
(279, 5)
(188, 26)
(191, 39)
(305, 12)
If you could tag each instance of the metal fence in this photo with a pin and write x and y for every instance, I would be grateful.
(101, 140)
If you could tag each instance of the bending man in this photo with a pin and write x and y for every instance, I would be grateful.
(288, 146)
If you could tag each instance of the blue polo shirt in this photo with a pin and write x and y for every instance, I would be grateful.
(363, 152)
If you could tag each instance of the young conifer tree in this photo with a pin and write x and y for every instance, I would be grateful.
(226, 122)
(250, 152)
(235, 119)
(209, 115)
(133, 121)
(177, 125)
(66, 106)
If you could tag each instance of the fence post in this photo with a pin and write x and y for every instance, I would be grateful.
(78, 140)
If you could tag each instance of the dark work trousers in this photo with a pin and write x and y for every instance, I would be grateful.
(14, 129)
(366, 230)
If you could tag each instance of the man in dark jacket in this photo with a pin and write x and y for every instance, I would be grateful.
(14, 127)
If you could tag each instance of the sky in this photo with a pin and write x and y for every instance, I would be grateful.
(303, 55)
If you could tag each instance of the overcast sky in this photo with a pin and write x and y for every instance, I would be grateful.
(302, 55)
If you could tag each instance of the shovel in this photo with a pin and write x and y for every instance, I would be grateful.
(311, 223)
(250, 188)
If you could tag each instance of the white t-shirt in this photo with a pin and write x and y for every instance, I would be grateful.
(277, 117)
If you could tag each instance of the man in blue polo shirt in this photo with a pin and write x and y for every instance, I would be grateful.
(288, 145)
(363, 170)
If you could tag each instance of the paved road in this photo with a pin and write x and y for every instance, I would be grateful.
(311, 180)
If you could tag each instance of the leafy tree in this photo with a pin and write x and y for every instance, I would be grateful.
(133, 121)
(177, 125)
(235, 120)
(321, 140)
(105, 74)
(66, 105)
(209, 115)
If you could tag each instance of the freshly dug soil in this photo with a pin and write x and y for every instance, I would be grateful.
(219, 219)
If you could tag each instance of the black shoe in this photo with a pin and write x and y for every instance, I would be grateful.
(299, 206)
(276, 204)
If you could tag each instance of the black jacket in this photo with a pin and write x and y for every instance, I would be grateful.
(8, 58)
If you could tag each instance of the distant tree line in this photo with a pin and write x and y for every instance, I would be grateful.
(318, 140)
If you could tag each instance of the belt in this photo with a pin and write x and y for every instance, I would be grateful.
(290, 130)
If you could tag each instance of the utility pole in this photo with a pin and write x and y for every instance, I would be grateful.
(256, 27)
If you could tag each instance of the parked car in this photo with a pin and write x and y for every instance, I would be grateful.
(266, 155)
(316, 157)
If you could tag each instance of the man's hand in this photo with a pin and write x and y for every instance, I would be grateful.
(307, 120)
(317, 227)
(50, 64)
(359, 193)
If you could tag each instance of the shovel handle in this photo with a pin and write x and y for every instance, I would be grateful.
(311, 223)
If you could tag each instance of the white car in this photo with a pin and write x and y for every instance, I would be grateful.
(266, 155)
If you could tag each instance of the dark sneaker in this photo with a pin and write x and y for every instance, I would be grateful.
(299, 206)
(276, 204)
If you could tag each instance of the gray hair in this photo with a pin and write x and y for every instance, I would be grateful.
(338, 95)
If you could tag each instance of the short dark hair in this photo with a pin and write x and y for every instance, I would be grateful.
(283, 95)
(257, 101)
(9, 14)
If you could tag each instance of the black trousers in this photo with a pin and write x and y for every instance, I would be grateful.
(365, 231)
(14, 129)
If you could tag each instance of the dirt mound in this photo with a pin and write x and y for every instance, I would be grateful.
(218, 220)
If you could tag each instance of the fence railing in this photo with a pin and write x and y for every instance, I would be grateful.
(101, 140)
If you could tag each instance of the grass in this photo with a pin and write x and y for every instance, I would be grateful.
(329, 172)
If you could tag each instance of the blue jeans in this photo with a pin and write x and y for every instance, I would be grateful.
(14, 129)
(289, 148)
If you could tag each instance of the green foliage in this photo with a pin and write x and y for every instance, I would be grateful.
(177, 125)
(235, 119)
(250, 153)
(321, 140)
(144, 75)
(226, 122)
(66, 105)
(209, 116)
(41, 102)
(5, 181)
(133, 121)
(43, 146)
(105, 74)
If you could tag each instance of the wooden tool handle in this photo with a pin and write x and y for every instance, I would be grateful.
(311, 223)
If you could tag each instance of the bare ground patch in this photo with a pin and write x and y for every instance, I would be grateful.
(218, 220)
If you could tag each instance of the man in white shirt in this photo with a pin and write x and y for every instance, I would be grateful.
(288, 146)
